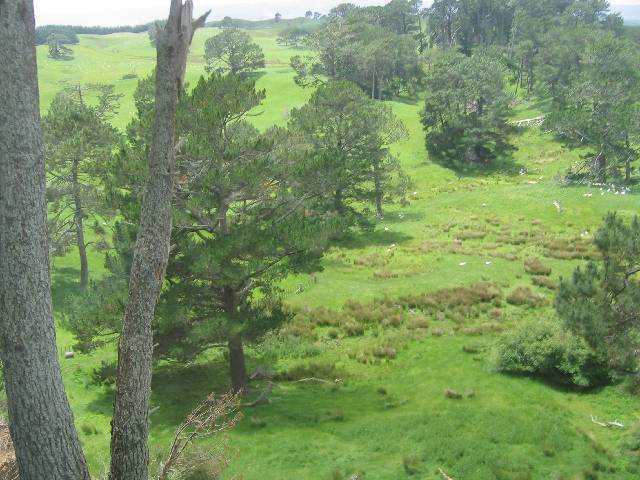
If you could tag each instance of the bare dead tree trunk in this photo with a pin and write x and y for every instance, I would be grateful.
(41, 421)
(130, 424)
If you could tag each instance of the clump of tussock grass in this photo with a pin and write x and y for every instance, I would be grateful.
(545, 282)
(333, 333)
(411, 465)
(417, 322)
(277, 346)
(472, 348)
(385, 274)
(570, 249)
(524, 296)
(373, 260)
(471, 235)
(376, 312)
(300, 329)
(486, 328)
(353, 328)
(518, 239)
(494, 221)
(321, 369)
(454, 297)
(534, 266)
(386, 353)
(509, 256)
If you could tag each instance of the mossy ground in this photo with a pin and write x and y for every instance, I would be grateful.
(390, 418)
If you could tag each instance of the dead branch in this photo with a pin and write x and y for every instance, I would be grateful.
(444, 475)
(263, 398)
(211, 418)
(611, 424)
(318, 380)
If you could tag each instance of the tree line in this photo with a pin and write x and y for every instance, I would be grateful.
(572, 53)
(70, 32)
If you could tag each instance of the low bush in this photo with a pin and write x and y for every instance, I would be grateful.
(524, 296)
(274, 346)
(323, 370)
(544, 348)
(545, 282)
(534, 266)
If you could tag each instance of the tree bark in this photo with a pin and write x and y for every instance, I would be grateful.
(130, 424)
(378, 191)
(338, 202)
(601, 167)
(79, 222)
(41, 421)
(237, 367)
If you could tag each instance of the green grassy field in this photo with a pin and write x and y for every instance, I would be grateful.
(389, 418)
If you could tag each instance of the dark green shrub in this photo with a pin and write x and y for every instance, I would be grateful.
(545, 349)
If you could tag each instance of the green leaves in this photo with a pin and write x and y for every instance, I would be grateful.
(233, 51)
(466, 109)
(601, 302)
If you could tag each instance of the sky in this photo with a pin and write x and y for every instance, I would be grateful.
(131, 12)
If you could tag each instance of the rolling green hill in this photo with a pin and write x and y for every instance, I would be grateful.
(388, 417)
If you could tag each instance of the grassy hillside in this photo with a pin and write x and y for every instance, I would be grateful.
(389, 417)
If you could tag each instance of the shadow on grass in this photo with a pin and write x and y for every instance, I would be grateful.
(559, 385)
(377, 238)
(503, 164)
(64, 284)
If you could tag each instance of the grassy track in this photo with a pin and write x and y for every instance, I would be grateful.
(390, 420)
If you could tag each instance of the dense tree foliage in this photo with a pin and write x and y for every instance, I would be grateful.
(375, 49)
(250, 209)
(58, 50)
(78, 143)
(71, 32)
(472, 23)
(349, 135)
(292, 37)
(601, 302)
(243, 221)
(233, 51)
(466, 109)
(594, 81)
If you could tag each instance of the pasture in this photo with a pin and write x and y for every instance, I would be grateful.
(384, 413)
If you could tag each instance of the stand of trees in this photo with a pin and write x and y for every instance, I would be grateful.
(41, 421)
(571, 51)
(78, 143)
(71, 32)
(233, 51)
(374, 47)
(250, 209)
(466, 109)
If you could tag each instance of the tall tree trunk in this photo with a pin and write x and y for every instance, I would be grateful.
(627, 163)
(338, 202)
(601, 167)
(237, 367)
(40, 419)
(79, 221)
(130, 424)
(377, 181)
